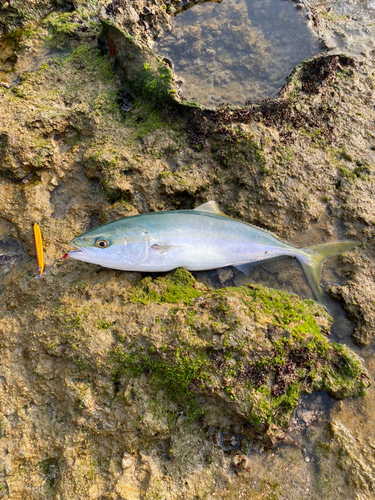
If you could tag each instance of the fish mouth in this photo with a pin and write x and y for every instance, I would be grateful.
(81, 253)
(77, 250)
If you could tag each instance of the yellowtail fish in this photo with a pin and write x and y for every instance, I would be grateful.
(199, 240)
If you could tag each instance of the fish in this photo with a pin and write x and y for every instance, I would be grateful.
(199, 240)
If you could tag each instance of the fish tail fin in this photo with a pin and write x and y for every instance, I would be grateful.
(313, 258)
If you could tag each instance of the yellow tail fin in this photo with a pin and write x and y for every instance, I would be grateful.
(313, 258)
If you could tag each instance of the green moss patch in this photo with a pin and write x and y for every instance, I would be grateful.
(250, 352)
(177, 287)
(254, 349)
(145, 73)
(174, 378)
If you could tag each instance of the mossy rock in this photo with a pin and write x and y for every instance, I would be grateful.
(249, 352)
(179, 287)
(145, 73)
(18, 13)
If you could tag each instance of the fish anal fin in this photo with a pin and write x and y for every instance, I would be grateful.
(246, 268)
(210, 208)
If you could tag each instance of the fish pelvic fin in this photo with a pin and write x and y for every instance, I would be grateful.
(312, 260)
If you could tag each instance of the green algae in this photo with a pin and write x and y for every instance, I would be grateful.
(154, 83)
(190, 367)
(64, 28)
(51, 470)
(174, 378)
(145, 73)
(241, 149)
(19, 38)
(144, 119)
(61, 27)
(209, 349)
(91, 61)
(180, 286)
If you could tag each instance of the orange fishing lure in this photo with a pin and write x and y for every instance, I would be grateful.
(39, 248)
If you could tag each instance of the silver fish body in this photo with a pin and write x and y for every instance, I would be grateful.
(198, 240)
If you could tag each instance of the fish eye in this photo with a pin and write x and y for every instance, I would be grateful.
(102, 243)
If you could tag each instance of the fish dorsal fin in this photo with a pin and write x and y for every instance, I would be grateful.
(210, 208)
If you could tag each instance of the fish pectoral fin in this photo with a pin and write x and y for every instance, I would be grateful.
(163, 248)
(210, 208)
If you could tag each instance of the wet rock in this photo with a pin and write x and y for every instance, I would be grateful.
(127, 461)
(12, 253)
(353, 297)
(233, 362)
(143, 71)
(225, 275)
(16, 14)
(355, 459)
(240, 462)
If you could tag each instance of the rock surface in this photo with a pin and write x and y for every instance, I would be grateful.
(120, 378)
(113, 387)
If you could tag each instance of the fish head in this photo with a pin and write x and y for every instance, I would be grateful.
(115, 245)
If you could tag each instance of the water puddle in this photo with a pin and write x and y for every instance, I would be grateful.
(14, 63)
(354, 8)
(237, 50)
